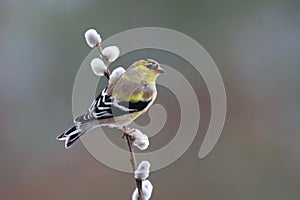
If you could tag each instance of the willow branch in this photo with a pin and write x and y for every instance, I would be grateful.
(133, 163)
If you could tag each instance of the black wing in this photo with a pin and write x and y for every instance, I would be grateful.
(105, 106)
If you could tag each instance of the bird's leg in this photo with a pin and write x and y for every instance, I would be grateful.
(126, 132)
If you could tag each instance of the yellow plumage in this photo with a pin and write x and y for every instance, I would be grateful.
(125, 99)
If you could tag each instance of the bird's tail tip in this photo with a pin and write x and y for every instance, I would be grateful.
(70, 136)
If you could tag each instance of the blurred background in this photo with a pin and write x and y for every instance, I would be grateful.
(256, 46)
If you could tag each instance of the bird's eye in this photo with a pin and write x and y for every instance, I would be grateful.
(151, 66)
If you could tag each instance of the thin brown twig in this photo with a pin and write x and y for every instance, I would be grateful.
(104, 58)
(132, 157)
(133, 163)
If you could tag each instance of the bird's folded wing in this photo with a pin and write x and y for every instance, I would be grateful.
(105, 106)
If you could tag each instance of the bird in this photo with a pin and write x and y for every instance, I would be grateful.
(123, 100)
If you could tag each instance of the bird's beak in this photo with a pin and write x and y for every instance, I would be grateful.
(160, 70)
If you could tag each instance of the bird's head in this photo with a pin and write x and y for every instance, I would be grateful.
(147, 69)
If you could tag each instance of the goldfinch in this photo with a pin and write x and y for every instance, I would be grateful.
(121, 102)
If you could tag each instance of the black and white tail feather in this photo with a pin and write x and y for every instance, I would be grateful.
(103, 107)
(70, 136)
